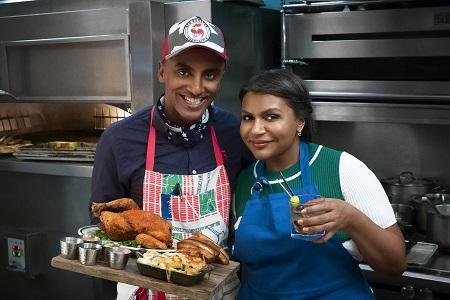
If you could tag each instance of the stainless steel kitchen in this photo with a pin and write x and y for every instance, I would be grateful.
(377, 71)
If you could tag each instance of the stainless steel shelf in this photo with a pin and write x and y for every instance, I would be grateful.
(10, 164)
(382, 112)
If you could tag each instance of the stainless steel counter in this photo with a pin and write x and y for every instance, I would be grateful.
(60, 168)
(435, 277)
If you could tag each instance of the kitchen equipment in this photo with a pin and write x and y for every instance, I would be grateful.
(438, 225)
(353, 49)
(58, 151)
(69, 247)
(421, 206)
(403, 213)
(118, 257)
(421, 253)
(88, 253)
(403, 188)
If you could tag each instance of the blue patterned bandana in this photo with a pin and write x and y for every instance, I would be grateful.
(184, 135)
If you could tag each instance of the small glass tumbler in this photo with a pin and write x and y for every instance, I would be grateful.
(295, 206)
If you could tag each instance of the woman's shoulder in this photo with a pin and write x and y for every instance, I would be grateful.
(315, 148)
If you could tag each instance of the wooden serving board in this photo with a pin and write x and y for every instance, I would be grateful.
(204, 290)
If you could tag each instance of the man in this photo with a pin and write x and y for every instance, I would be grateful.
(182, 141)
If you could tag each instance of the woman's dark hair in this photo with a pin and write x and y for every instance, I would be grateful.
(287, 85)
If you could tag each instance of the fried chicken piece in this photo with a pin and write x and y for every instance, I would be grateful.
(149, 241)
(117, 226)
(151, 224)
(127, 225)
(118, 205)
(122, 220)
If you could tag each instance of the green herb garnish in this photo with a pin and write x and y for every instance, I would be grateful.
(104, 236)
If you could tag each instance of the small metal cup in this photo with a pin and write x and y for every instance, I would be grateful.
(69, 247)
(118, 257)
(88, 253)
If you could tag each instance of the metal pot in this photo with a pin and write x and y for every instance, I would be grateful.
(403, 213)
(438, 225)
(403, 188)
(421, 206)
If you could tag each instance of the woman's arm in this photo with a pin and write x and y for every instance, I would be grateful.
(366, 215)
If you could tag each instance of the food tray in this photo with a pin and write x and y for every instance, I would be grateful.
(421, 253)
(175, 277)
(204, 290)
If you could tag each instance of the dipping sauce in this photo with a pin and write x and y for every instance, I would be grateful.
(90, 238)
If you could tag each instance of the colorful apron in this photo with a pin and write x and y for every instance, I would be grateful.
(276, 266)
(192, 203)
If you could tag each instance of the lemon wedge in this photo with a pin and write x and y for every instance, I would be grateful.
(294, 200)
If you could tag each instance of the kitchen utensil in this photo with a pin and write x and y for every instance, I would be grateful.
(438, 225)
(421, 253)
(88, 253)
(69, 247)
(403, 188)
(421, 205)
(118, 257)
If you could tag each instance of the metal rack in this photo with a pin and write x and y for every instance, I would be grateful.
(103, 117)
(9, 123)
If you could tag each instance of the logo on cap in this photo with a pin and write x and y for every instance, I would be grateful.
(197, 31)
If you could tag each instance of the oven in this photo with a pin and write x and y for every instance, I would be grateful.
(380, 51)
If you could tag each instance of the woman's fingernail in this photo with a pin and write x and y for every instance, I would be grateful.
(305, 229)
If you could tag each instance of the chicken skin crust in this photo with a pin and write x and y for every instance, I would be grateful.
(123, 220)
(118, 205)
(128, 224)
(151, 224)
(117, 227)
(149, 241)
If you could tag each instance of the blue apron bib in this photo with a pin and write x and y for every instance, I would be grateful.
(276, 266)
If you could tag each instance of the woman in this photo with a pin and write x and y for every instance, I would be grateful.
(353, 209)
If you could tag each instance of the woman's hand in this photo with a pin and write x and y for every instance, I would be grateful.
(326, 214)
(382, 248)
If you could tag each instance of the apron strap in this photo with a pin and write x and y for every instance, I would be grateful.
(151, 142)
(217, 152)
(151, 145)
(304, 165)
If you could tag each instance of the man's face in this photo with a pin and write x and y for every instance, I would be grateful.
(191, 79)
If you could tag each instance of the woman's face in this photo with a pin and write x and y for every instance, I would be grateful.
(191, 79)
(269, 129)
